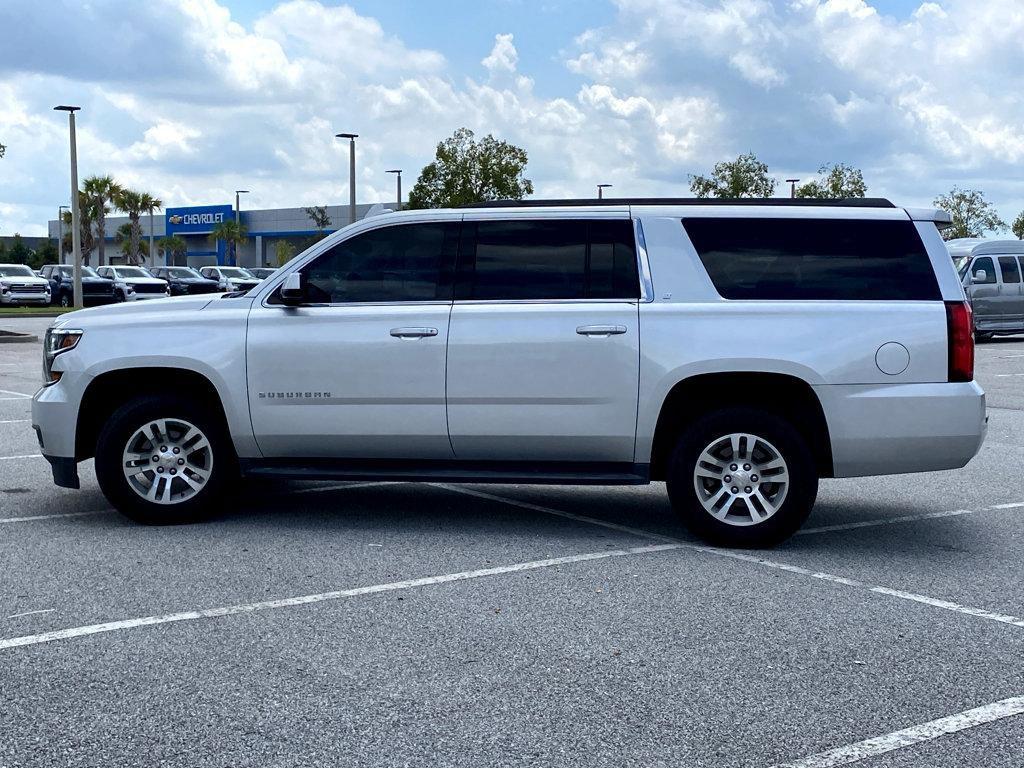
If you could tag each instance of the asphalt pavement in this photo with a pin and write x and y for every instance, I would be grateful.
(414, 624)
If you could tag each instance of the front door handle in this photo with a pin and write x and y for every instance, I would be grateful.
(413, 332)
(600, 330)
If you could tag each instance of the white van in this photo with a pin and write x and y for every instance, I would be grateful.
(991, 274)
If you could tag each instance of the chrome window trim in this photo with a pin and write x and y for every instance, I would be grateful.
(646, 284)
(630, 300)
(420, 303)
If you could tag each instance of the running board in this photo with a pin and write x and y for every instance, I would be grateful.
(555, 473)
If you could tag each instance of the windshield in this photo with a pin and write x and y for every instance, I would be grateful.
(961, 262)
(236, 272)
(262, 272)
(16, 270)
(182, 272)
(87, 272)
(132, 272)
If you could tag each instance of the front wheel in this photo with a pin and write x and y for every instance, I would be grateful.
(163, 460)
(741, 477)
(64, 300)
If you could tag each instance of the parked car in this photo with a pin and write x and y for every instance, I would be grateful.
(185, 280)
(230, 278)
(132, 283)
(95, 290)
(991, 274)
(20, 285)
(262, 272)
(739, 351)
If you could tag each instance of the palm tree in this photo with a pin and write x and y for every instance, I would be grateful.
(132, 203)
(172, 246)
(149, 203)
(86, 215)
(101, 191)
(233, 234)
(123, 237)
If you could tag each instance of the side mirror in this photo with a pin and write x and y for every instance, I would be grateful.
(293, 292)
(980, 276)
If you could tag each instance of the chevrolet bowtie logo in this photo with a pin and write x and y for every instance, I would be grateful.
(175, 219)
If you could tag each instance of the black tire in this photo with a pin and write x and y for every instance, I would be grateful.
(982, 336)
(124, 423)
(119, 295)
(790, 444)
(64, 299)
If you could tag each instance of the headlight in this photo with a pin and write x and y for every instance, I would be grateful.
(3, 288)
(56, 341)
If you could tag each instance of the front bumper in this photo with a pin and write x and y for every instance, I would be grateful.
(905, 428)
(11, 298)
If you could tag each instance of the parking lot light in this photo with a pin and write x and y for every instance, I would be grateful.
(76, 235)
(351, 173)
(398, 193)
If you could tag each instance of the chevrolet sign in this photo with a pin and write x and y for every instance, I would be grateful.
(196, 219)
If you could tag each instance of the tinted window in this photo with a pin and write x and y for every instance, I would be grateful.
(813, 258)
(984, 263)
(1011, 272)
(549, 259)
(405, 263)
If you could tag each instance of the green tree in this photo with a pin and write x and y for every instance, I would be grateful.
(134, 204)
(465, 170)
(173, 248)
(233, 234)
(744, 177)
(1018, 226)
(321, 220)
(123, 237)
(973, 216)
(87, 239)
(101, 191)
(837, 181)
(19, 252)
(46, 253)
(283, 251)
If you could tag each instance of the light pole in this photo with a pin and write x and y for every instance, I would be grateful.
(76, 234)
(238, 216)
(60, 233)
(398, 179)
(351, 173)
(600, 190)
(792, 187)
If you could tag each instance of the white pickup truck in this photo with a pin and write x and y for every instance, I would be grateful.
(739, 350)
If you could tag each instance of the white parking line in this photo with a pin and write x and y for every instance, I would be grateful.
(23, 518)
(886, 743)
(13, 392)
(23, 456)
(905, 519)
(937, 603)
(13, 421)
(246, 608)
(29, 613)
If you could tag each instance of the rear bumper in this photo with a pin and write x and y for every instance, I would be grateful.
(907, 428)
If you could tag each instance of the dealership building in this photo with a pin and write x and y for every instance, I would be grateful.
(264, 229)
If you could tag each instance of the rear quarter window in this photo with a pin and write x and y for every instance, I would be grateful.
(794, 259)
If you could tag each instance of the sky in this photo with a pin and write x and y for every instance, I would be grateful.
(192, 99)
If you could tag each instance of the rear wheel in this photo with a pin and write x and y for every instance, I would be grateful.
(163, 460)
(982, 336)
(741, 477)
(65, 299)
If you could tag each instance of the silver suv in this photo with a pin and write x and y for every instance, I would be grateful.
(738, 350)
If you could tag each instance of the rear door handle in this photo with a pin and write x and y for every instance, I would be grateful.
(413, 332)
(600, 330)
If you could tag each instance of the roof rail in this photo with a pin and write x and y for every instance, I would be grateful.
(797, 202)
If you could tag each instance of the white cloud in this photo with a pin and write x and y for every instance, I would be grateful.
(205, 104)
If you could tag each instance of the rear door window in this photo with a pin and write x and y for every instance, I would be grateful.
(807, 259)
(548, 259)
(1010, 270)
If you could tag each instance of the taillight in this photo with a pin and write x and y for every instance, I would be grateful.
(960, 339)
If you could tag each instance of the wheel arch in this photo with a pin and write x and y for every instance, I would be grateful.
(785, 395)
(109, 390)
